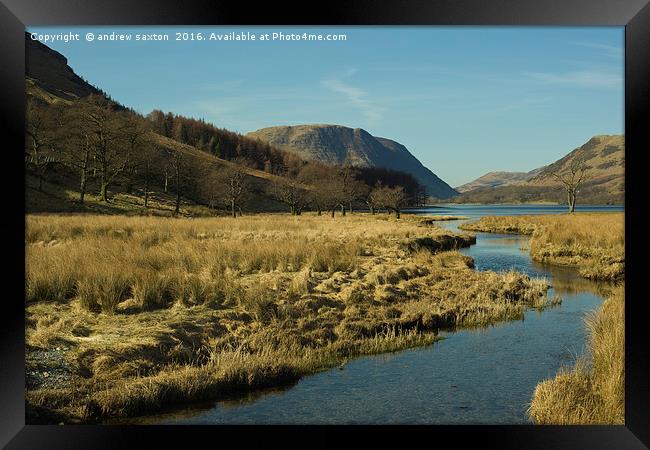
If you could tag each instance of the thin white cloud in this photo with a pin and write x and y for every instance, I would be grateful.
(357, 97)
(583, 78)
(215, 108)
(608, 50)
(525, 103)
(226, 85)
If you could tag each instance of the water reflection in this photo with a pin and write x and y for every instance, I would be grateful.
(566, 281)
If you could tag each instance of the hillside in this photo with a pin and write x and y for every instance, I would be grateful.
(86, 152)
(603, 155)
(495, 179)
(53, 83)
(336, 144)
(48, 69)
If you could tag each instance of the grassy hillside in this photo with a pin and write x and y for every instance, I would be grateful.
(603, 156)
(494, 179)
(60, 191)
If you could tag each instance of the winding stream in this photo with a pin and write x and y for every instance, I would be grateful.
(483, 376)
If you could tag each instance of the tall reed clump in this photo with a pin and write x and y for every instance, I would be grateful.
(44, 282)
(592, 392)
(102, 290)
(152, 290)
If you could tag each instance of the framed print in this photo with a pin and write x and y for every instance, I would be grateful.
(387, 217)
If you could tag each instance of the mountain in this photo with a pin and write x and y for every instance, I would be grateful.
(603, 155)
(48, 70)
(336, 144)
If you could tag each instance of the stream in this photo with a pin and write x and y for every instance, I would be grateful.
(479, 376)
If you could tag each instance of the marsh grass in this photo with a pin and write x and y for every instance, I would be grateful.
(593, 391)
(595, 242)
(157, 311)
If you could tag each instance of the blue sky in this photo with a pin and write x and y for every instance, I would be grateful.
(464, 100)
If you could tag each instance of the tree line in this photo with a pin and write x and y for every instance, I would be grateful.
(102, 145)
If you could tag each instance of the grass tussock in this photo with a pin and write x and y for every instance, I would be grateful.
(148, 311)
(595, 242)
(592, 392)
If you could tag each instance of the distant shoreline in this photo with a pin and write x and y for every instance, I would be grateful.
(442, 205)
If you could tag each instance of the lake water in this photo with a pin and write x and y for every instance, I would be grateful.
(484, 376)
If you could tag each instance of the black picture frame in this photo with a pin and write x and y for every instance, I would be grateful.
(15, 15)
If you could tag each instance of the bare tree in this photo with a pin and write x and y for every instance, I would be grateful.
(136, 138)
(373, 197)
(333, 194)
(149, 165)
(234, 186)
(40, 140)
(107, 131)
(571, 179)
(78, 149)
(177, 166)
(316, 176)
(352, 189)
(146, 176)
(421, 195)
(391, 198)
(340, 189)
(290, 192)
(166, 184)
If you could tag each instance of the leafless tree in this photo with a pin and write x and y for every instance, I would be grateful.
(40, 152)
(373, 197)
(340, 189)
(571, 179)
(146, 176)
(352, 189)
(149, 162)
(290, 192)
(391, 198)
(234, 186)
(106, 129)
(177, 166)
(316, 177)
(78, 149)
(136, 138)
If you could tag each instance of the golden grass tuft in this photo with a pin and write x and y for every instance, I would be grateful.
(592, 392)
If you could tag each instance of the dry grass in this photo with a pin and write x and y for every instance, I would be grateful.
(153, 311)
(595, 242)
(593, 392)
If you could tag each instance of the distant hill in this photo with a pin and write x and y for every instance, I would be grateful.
(336, 144)
(496, 179)
(604, 156)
